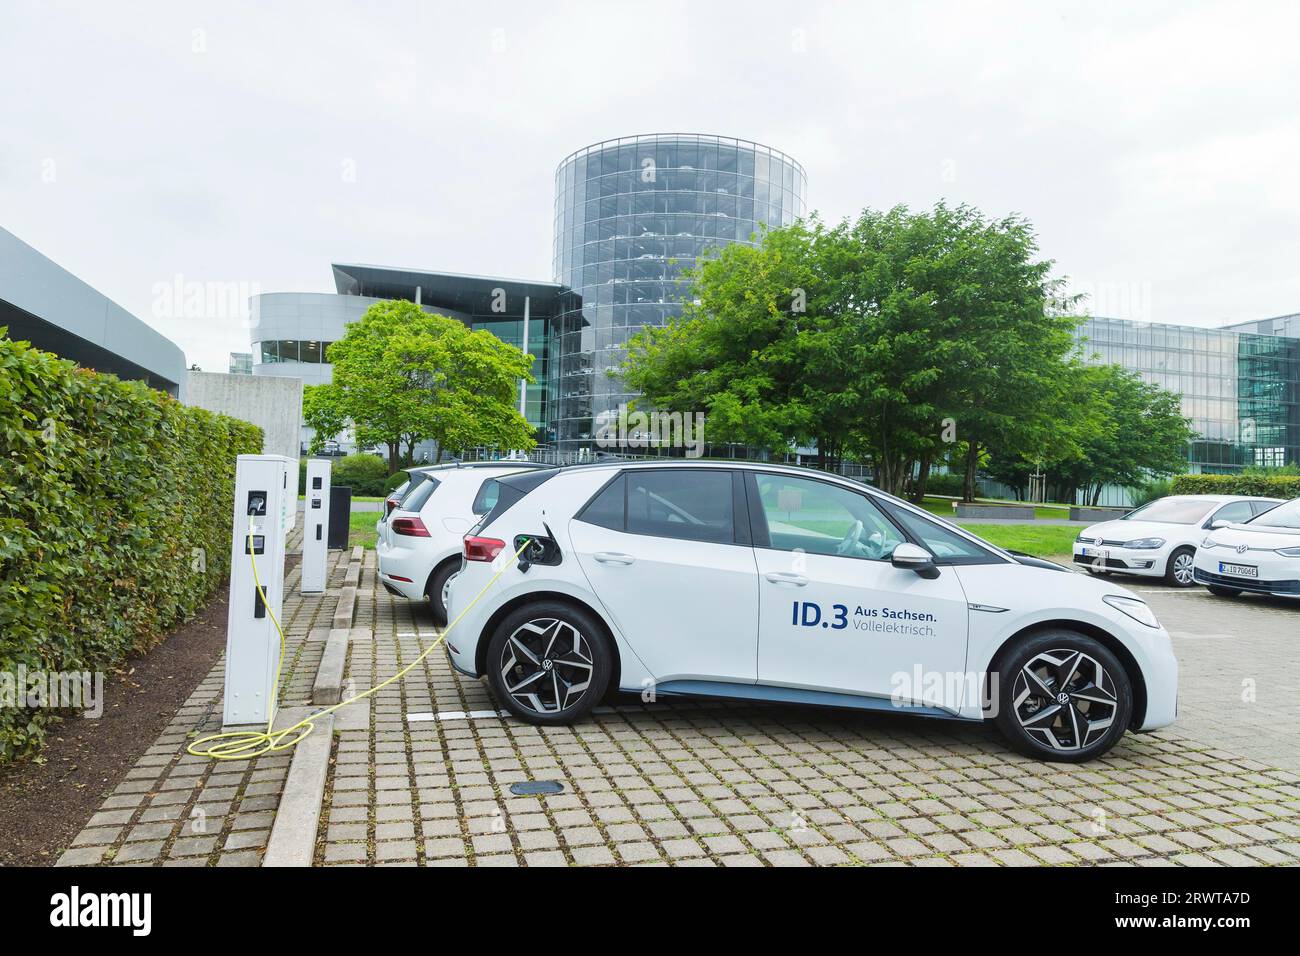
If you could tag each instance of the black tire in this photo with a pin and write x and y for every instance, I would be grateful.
(1062, 645)
(1221, 591)
(1178, 570)
(546, 630)
(433, 590)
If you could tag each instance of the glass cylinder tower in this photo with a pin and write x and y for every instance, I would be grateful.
(631, 215)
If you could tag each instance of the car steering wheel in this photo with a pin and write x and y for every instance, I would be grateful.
(852, 545)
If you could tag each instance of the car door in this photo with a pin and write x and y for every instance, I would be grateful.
(667, 553)
(834, 613)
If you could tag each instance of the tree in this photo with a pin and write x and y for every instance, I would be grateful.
(887, 338)
(402, 376)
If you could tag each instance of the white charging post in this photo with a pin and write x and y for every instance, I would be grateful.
(316, 526)
(266, 506)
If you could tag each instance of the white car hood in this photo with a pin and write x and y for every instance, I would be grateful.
(1132, 530)
(1258, 536)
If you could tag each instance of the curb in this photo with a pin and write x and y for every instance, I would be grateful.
(328, 687)
(293, 835)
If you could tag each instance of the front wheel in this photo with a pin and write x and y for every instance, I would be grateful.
(1178, 571)
(549, 663)
(1222, 591)
(1062, 696)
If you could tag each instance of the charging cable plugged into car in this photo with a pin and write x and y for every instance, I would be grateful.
(537, 549)
(246, 744)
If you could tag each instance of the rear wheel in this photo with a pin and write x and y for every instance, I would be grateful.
(1222, 591)
(1062, 696)
(436, 590)
(549, 663)
(1178, 571)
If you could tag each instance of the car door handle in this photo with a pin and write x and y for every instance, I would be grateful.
(613, 557)
(786, 577)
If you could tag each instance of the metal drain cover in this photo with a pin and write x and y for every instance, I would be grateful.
(536, 788)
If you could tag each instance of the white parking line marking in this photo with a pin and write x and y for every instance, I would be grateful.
(428, 717)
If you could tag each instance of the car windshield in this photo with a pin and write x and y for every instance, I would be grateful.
(1172, 511)
(1283, 516)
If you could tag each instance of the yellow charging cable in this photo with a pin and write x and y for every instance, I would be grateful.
(246, 744)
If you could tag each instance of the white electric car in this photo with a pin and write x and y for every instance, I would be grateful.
(1261, 555)
(773, 583)
(1160, 538)
(419, 543)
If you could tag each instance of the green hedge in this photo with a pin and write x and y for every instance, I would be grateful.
(115, 505)
(1265, 486)
(364, 474)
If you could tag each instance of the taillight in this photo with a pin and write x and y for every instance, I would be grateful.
(411, 527)
(482, 549)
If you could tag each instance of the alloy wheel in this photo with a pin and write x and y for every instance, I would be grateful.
(546, 665)
(446, 590)
(1065, 699)
(1183, 568)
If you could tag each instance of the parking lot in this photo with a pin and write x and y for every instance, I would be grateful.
(422, 771)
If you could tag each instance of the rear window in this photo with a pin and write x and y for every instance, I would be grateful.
(486, 497)
(415, 500)
(510, 490)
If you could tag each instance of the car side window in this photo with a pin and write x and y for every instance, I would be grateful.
(1234, 511)
(609, 508)
(821, 518)
(947, 546)
(688, 503)
(1260, 506)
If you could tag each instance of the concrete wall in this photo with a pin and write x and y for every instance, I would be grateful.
(272, 402)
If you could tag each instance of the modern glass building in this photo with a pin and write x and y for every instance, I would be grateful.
(1240, 388)
(631, 215)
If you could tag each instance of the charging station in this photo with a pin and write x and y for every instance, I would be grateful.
(316, 526)
(266, 508)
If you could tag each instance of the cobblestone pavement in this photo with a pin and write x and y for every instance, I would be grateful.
(177, 810)
(739, 785)
(727, 784)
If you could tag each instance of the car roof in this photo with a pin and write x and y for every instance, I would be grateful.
(519, 465)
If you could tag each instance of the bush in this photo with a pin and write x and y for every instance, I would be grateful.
(1262, 484)
(394, 480)
(1151, 490)
(115, 508)
(366, 475)
(948, 485)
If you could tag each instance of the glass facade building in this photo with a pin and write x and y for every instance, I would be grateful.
(631, 215)
(1241, 389)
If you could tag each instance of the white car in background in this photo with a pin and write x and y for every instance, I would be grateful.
(419, 544)
(1160, 538)
(1261, 555)
(762, 582)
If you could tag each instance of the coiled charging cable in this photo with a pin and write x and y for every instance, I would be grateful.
(246, 744)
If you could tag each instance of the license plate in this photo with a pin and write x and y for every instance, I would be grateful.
(1095, 553)
(1240, 570)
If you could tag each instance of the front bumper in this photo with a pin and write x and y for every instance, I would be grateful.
(1281, 587)
(1148, 562)
(1160, 674)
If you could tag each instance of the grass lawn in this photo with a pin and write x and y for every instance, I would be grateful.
(361, 528)
(1044, 541)
(944, 508)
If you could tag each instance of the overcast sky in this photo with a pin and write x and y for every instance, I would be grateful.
(1155, 146)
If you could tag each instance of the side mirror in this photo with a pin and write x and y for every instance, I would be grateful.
(910, 557)
(1216, 525)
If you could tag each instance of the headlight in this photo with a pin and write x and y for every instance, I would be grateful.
(1134, 608)
(1145, 544)
(1289, 552)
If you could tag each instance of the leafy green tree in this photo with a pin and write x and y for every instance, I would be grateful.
(888, 338)
(402, 376)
